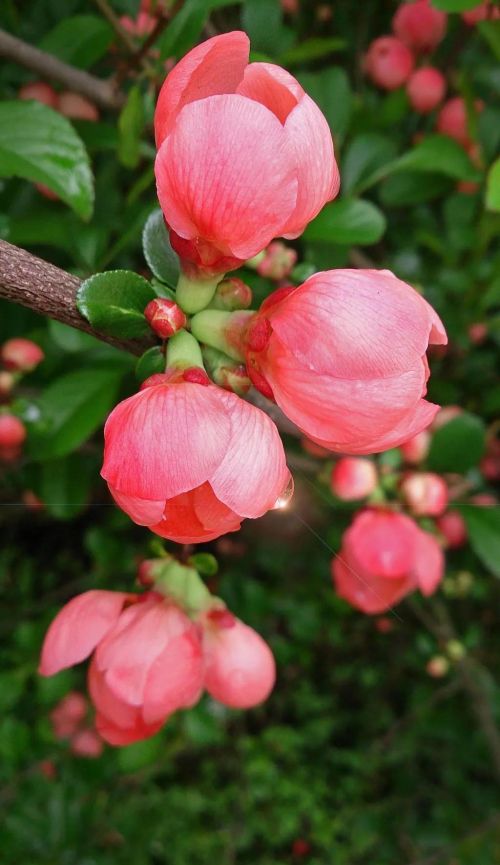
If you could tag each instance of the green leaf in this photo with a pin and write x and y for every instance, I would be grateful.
(438, 154)
(490, 31)
(349, 221)
(204, 563)
(493, 187)
(186, 26)
(130, 127)
(364, 157)
(458, 445)
(150, 363)
(38, 144)
(331, 90)
(412, 187)
(312, 49)
(161, 258)
(64, 486)
(263, 21)
(80, 40)
(483, 526)
(455, 5)
(114, 302)
(70, 410)
(140, 754)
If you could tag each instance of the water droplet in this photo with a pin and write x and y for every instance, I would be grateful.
(284, 498)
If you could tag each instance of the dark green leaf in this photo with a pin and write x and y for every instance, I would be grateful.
(454, 5)
(40, 145)
(80, 40)
(331, 90)
(130, 127)
(364, 157)
(263, 21)
(70, 410)
(438, 154)
(150, 363)
(64, 486)
(493, 187)
(350, 221)
(312, 49)
(114, 302)
(205, 563)
(458, 445)
(490, 30)
(186, 26)
(411, 187)
(483, 526)
(161, 258)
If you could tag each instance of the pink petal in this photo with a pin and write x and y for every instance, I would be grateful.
(78, 628)
(273, 87)
(381, 544)
(428, 568)
(375, 595)
(372, 324)
(141, 511)
(216, 66)
(195, 517)
(241, 671)
(318, 173)
(253, 473)
(226, 174)
(175, 679)
(164, 440)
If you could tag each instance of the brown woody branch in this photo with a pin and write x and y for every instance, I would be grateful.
(103, 93)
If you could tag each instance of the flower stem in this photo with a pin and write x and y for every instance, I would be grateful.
(194, 295)
(183, 351)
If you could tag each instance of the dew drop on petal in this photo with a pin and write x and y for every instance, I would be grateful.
(284, 498)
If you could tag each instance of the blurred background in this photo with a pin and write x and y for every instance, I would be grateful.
(380, 743)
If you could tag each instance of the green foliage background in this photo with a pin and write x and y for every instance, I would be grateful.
(359, 753)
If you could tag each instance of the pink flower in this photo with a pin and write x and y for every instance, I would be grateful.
(191, 460)
(21, 355)
(452, 120)
(77, 107)
(425, 493)
(426, 88)
(419, 25)
(388, 62)
(278, 261)
(385, 556)
(87, 743)
(481, 13)
(452, 525)
(69, 713)
(41, 92)
(12, 432)
(147, 660)
(240, 670)
(343, 355)
(244, 155)
(353, 478)
(415, 449)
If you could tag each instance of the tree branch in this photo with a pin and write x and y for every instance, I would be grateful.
(103, 93)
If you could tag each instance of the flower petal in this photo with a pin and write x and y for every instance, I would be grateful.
(374, 596)
(141, 511)
(429, 563)
(77, 629)
(216, 66)
(273, 87)
(226, 174)
(164, 440)
(253, 473)
(175, 679)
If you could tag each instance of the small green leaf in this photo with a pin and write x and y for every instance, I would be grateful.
(64, 486)
(114, 302)
(204, 563)
(458, 445)
(331, 90)
(438, 154)
(349, 221)
(130, 127)
(363, 159)
(263, 21)
(490, 31)
(312, 49)
(455, 5)
(483, 526)
(70, 410)
(38, 144)
(80, 40)
(493, 187)
(186, 26)
(161, 258)
(140, 754)
(150, 363)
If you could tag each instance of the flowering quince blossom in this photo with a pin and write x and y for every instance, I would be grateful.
(419, 25)
(426, 88)
(353, 478)
(343, 355)
(388, 62)
(147, 659)
(385, 556)
(240, 669)
(425, 493)
(20, 355)
(191, 460)
(244, 155)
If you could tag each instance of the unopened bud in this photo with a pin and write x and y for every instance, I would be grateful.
(21, 355)
(353, 478)
(425, 493)
(87, 743)
(278, 262)
(232, 294)
(41, 92)
(415, 450)
(145, 572)
(164, 317)
(12, 431)
(233, 377)
(452, 525)
(7, 382)
(478, 332)
(455, 650)
(438, 667)
(77, 107)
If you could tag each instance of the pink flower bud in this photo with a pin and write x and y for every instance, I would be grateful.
(452, 525)
(419, 25)
(452, 119)
(478, 332)
(482, 12)
(77, 107)
(425, 493)
(438, 667)
(445, 415)
(68, 715)
(233, 378)
(12, 431)
(232, 294)
(278, 262)
(192, 461)
(164, 317)
(87, 743)
(385, 556)
(141, 26)
(384, 625)
(21, 355)
(7, 382)
(353, 478)
(240, 670)
(41, 92)
(415, 450)
(426, 88)
(246, 133)
(388, 62)
(145, 572)
(317, 350)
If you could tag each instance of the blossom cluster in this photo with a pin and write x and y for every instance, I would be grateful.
(18, 356)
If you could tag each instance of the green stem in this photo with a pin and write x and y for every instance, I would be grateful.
(221, 330)
(183, 351)
(194, 295)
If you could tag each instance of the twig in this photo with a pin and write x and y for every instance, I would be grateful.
(116, 24)
(103, 93)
